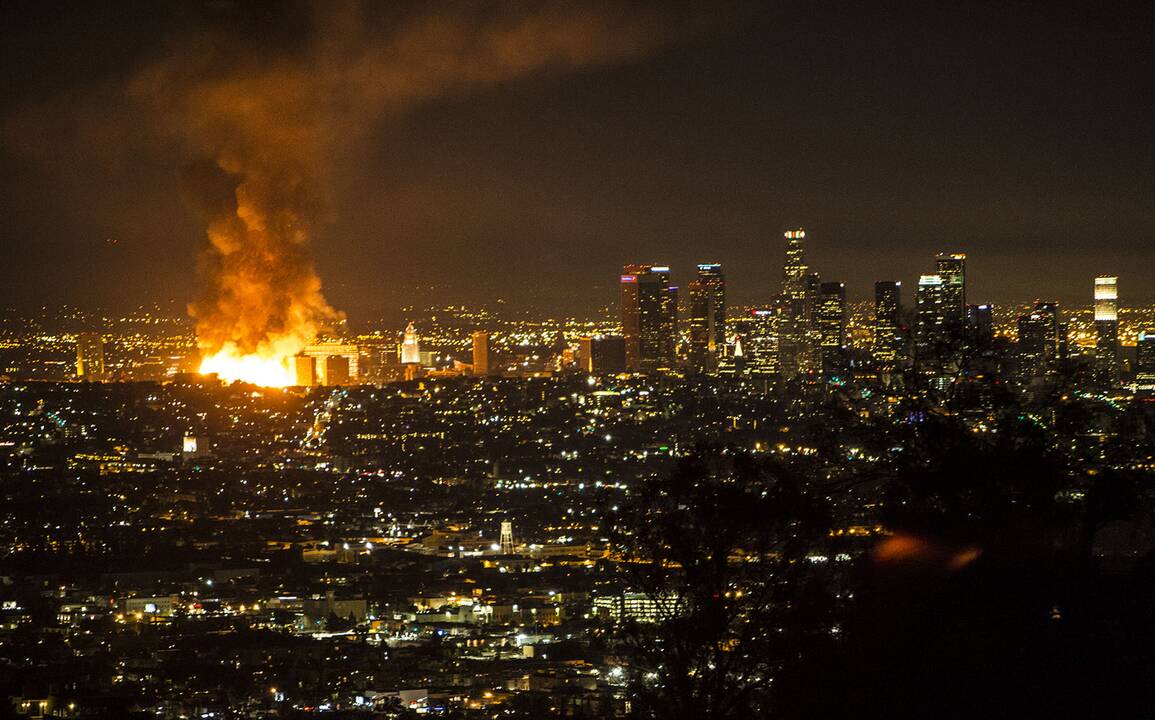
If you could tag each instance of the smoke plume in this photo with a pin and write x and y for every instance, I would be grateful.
(263, 114)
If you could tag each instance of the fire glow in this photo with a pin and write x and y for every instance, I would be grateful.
(261, 126)
(268, 370)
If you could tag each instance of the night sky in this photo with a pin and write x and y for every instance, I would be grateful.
(1018, 133)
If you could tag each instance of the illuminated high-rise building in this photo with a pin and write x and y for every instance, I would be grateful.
(888, 338)
(707, 319)
(410, 348)
(758, 345)
(950, 340)
(929, 320)
(90, 356)
(794, 270)
(797, 337)
(951, 267)
(812, 361)
(480, 353)
(649, 307)
(1107, 329)
(1038, 346)
(1145, 361)
(831, 324)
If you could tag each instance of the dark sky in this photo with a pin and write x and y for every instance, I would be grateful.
(1019, 133)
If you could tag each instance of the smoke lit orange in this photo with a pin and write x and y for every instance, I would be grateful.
(261, 131)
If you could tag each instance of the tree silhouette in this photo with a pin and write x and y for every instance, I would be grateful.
(720, 549)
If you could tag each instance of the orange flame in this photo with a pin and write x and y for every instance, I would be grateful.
(262, 126)
(230, 365)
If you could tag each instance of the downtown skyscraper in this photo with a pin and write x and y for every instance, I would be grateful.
(930, 323)
(888, 335)
(952, 267)
(1145, 361)
(940, 319)
(831, 321)
(707, 321)
(649, 306)
(1038, 345)
(1106, 359)
(798, 340)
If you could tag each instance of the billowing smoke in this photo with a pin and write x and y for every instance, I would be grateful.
(262, 115)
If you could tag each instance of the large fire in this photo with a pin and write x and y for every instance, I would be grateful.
(260, 127)
(269, 370)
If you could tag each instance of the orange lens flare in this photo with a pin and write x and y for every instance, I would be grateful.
(911, 550)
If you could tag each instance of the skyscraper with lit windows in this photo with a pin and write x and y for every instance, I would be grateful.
(649, 316)
(1038, 346)
(1107, 329)
(760, 343)
(707, 321)
(929, 320)
(951, 267)
(1145, 361)
(951, 332)
(831, 324)
(798, 338)
(888, 338)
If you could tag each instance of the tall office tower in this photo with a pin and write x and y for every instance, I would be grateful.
(929, 321)
(831, 323)
(1107, 329)
(951, 267)
(410, 349)
(888, 338)
(759, 345)
(90, 356)
(1145, 361)
(980, 328)
(794, 270)
(797, 336)
(707, 319)
(480, 353)
(1064, 343)
(813, 357)
(649, 315)
(1038, 346)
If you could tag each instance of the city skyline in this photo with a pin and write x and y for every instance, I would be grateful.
(97, 188)
(576, 360)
